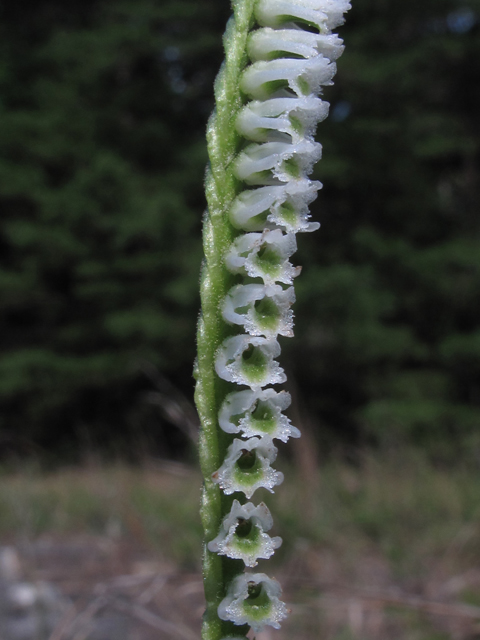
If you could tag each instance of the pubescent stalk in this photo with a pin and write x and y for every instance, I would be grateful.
(221, 188)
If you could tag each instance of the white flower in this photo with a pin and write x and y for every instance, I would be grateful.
(262, 310)
(253, 599)
(247, 467)
(282, 119)
(273, 206)
(257, 413)
(266, 44)
(242, 534)
(323, 14)
(274, 162)
(279, 78)
(247, 360)
(264, 255)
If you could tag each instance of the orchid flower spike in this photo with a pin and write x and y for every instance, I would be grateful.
(262, 149)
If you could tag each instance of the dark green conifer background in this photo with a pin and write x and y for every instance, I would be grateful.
(103, 107)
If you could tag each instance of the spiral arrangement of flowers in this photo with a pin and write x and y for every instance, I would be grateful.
(259, 195)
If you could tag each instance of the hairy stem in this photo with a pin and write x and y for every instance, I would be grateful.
(221, 189)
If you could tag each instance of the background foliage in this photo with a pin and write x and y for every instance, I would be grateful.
(103, 106)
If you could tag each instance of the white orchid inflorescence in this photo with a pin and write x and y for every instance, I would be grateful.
(292, 54)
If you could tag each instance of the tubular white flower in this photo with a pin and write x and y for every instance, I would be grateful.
(283, 206)
(276, 78)
(268, 44)
(275, 162)
(323, 14)
(235, 405)
(264, 255)
(281, 118)
(242, 535)
(247, 467)
(253, 599)
(257, 413)
(250, 361)
(262, 310)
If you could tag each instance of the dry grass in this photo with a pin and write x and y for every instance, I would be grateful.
(386, 549)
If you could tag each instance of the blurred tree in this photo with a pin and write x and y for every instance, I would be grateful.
(102, 158)
(389, 310)
(103, 106)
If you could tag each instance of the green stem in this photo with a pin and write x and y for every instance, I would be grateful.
(221, 189)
